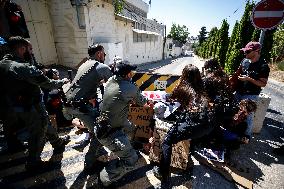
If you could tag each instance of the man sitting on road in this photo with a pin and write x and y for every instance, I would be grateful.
(253, 75)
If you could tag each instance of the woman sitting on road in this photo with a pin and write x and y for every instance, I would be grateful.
(218, 89)
(193, 119)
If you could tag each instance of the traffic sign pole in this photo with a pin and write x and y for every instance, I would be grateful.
(261, 38)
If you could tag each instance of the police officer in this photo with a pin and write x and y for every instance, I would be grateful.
(119, 93)
(58, 143)
(82, 96)
(20, 89)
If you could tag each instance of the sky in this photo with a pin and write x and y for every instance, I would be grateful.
(197, 13)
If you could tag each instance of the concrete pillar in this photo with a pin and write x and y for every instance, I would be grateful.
(262, 106)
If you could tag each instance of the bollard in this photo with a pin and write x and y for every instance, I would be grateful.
(259, 115)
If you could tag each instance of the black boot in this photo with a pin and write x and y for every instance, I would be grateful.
(59, 147)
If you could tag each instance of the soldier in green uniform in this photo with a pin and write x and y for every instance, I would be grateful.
(20, 89)
(119, 93)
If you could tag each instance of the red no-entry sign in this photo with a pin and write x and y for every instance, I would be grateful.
(267, 14)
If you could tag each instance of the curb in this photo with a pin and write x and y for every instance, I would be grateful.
(276, 84)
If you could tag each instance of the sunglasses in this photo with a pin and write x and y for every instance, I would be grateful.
(248, 51)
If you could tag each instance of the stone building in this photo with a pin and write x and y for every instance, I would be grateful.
(62, 30)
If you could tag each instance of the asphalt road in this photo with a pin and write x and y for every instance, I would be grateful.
(264, 168)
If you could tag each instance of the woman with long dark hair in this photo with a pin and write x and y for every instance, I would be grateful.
(193, 119)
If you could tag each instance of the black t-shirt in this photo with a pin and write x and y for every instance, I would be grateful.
(256, 70)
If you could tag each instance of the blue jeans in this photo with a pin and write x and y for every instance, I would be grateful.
(240, 97)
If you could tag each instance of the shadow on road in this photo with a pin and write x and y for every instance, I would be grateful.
(274, 111)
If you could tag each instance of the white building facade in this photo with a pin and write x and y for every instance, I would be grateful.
(62, 30)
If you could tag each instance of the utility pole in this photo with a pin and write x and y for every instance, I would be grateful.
(164, 43)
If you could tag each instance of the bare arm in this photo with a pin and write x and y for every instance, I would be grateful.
(260, 83)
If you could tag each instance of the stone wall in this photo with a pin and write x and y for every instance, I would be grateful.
(71, 41)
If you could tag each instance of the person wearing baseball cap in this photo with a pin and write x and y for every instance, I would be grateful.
(120, 92)
(254, 72)
(123, 68)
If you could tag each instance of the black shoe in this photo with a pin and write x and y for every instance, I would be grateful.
(96, 167)
(60, 147)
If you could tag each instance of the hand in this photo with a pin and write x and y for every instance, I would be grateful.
(243, 78)
(93, 102)
(65, 80)
(151, 140)
(149, 104)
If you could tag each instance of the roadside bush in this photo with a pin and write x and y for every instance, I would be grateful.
(280, 65)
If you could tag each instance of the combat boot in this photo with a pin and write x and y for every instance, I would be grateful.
(59, 147)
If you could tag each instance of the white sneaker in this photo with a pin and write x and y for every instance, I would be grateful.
(82, 138)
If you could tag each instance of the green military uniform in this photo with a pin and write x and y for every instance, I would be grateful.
(119, 93)
(21, 100)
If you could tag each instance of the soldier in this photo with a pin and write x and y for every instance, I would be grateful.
(82, 96)
(119, 93)
(22, 102)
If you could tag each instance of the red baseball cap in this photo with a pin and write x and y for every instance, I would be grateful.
(252, 46)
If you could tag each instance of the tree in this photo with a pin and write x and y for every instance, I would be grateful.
(255, 35)
(267, 44)
(277, 51)
(202, 35)
(224, 43)
(213, 34)
(243, 36)
(233, 38)
(118, 6)
(179, 33)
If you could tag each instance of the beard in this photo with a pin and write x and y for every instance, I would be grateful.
(102, 61)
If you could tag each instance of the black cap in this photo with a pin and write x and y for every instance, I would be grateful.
(123, 68)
